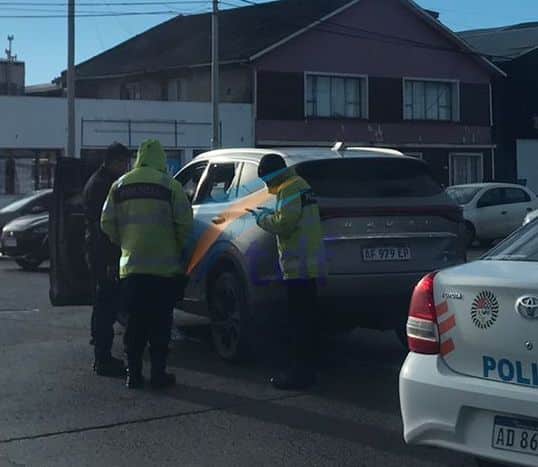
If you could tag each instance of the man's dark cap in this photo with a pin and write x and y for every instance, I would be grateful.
(117, 152)
(271, 164)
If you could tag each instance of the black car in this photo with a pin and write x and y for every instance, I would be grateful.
(26, 239)
(37, 202)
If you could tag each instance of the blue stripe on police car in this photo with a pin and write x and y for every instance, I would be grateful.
(510, 371)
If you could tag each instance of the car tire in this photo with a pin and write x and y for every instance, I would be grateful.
(230, 316)
(470, 234)
(29, 263)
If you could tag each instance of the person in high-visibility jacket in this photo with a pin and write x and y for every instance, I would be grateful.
(297, 226)
(148, 215)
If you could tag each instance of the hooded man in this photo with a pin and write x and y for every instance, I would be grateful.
(149, 216)
(297, 226)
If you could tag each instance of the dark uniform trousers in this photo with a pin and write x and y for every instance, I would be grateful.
(149, 301)
(106, 304)
(303, 318)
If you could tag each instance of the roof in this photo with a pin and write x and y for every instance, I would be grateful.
(296, 155)
(503, 43)
(245, 34)
(186, 40)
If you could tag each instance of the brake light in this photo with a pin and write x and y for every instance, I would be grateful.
(422, 330)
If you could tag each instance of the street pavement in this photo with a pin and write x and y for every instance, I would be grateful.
(55, 412)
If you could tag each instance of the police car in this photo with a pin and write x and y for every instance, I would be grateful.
(470, 382)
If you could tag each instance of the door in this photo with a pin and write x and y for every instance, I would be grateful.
(70, 282)
(491, 216)
(517, 204)
(214, 216)
(466, 168)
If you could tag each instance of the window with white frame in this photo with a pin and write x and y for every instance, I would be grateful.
(335, 96)
(431, 100)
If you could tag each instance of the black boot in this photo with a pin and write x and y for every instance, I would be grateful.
(110, 367)
(134, 380)
(160, 379)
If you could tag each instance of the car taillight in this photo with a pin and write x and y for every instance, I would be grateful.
(422, 330)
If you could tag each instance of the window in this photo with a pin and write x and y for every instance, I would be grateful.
(521, 246)
(492, 197)
(131, 91)
(431, 100)
(335, 97)
(369, 178)
(220, 184)
(249, 182)
(465, 168)
(190, 178)
(515, 196)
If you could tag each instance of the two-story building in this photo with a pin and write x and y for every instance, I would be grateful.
(514, 49)
(366, 72)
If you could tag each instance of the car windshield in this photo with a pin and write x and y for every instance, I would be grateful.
(463, 195)
(520, 246)
(20, 203)
(372, 177)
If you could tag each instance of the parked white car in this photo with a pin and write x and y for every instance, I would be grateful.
(470, 381)
(493, 210)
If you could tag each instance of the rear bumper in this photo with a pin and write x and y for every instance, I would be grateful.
(26, 244)
(443, 408)
(375, 285)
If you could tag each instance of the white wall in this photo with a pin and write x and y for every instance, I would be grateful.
(40, 123)
(527, 162)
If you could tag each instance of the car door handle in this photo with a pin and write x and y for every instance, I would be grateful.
(529, 209)
(218, 220)
(504, 213)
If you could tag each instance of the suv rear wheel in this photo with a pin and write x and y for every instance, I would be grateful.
(228, 309)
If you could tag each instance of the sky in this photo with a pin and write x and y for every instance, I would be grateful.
(42, 42)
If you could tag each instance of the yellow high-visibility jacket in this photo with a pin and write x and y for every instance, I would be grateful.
(148, 215)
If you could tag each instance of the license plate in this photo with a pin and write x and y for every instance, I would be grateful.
(10, 242)
(389, 253)
(514, 434)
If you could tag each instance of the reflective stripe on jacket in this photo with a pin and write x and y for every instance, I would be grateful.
(297, 225)
(149, 216)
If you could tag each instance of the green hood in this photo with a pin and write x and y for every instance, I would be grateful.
(151, 154)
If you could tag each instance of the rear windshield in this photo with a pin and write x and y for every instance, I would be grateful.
(463, 195)
(20, 203)
(369, 178)
(520, 246)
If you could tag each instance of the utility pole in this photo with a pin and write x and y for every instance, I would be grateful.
(71, 79)
(215, 78)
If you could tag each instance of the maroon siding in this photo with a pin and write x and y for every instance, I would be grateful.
(370, 53)
(385, 99)
(289, 87)
(475, 104)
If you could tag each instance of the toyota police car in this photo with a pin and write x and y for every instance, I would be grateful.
(470, 382)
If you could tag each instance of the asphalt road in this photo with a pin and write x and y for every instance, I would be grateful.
(55, 412)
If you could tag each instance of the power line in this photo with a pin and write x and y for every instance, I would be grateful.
(101, 3)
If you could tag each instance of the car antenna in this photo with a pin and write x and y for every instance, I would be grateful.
(339, 147)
